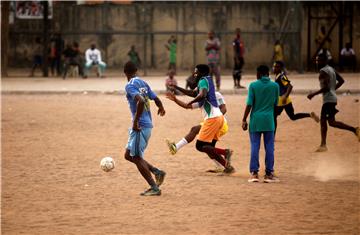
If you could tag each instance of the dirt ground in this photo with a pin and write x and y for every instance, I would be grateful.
(52, 182)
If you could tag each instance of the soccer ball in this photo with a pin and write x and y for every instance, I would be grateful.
(107, 164)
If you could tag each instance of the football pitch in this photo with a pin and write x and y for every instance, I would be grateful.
(52, 183)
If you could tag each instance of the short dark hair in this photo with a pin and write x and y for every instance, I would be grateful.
(263, 69)
(203, 69)
(130, 67)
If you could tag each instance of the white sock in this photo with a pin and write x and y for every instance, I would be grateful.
(181, 144)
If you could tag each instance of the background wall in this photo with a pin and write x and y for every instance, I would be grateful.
(148, 25)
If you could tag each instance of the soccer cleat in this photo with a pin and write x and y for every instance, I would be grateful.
(172, 147)
(159, 177)
(271, 178)
(315, 117)
(229, 170)
(357, 132)
(151, 192)
(228, 153)
(254, 178)
(321, 148)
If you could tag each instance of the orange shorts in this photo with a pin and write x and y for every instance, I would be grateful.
(211, 128)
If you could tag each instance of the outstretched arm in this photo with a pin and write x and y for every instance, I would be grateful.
(202, 94)
(324, 80)
(172, 97)
(191, 93)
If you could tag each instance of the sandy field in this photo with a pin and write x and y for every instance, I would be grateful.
(52, 182)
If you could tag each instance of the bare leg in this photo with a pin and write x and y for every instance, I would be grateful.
(323, 126)
(143, 167)
(341, 125)
(192, 134)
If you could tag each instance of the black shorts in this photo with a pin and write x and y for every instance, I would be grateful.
(328, 110)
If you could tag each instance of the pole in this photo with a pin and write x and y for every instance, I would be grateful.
(45, 39)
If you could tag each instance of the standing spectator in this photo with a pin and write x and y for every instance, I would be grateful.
(347, 57)
(262, 98)
(59, 47)
(212, 47)
(171, 46)
(134, 56)
(278, 52)
(239, 49)
(93, 58)
(37, 58)
(52, 56)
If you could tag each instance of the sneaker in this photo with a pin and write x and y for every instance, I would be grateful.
(321, 148)
(254, 178)
(315, 117)
(151, 192)
(271, 178)
(228, 153)
(229, 170)
(357, 132)
(159, 177)
(172, 147)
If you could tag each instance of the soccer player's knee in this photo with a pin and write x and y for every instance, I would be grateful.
(194, 130)
(292, 117)
(199, 146)
(332, 122)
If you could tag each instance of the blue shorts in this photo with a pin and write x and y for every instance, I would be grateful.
(138, 141)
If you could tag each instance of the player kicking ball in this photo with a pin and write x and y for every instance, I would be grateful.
(139, 94)
(174, 148)
(210, 130)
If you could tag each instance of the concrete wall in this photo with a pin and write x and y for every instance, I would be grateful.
(115, 27)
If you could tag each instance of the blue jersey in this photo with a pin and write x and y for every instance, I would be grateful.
(135, 87)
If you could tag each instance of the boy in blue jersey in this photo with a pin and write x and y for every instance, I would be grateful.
(139, 94)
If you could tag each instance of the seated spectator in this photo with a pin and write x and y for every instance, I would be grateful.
(348, 58)
(93, 58)
(171, 81)
(70, 56)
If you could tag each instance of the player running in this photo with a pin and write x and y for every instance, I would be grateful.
(210, 130)
(174, 148)
(284, 98)
(330, 81)
(139, 94)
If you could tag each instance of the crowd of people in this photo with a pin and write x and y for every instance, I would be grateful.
(62, 58)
